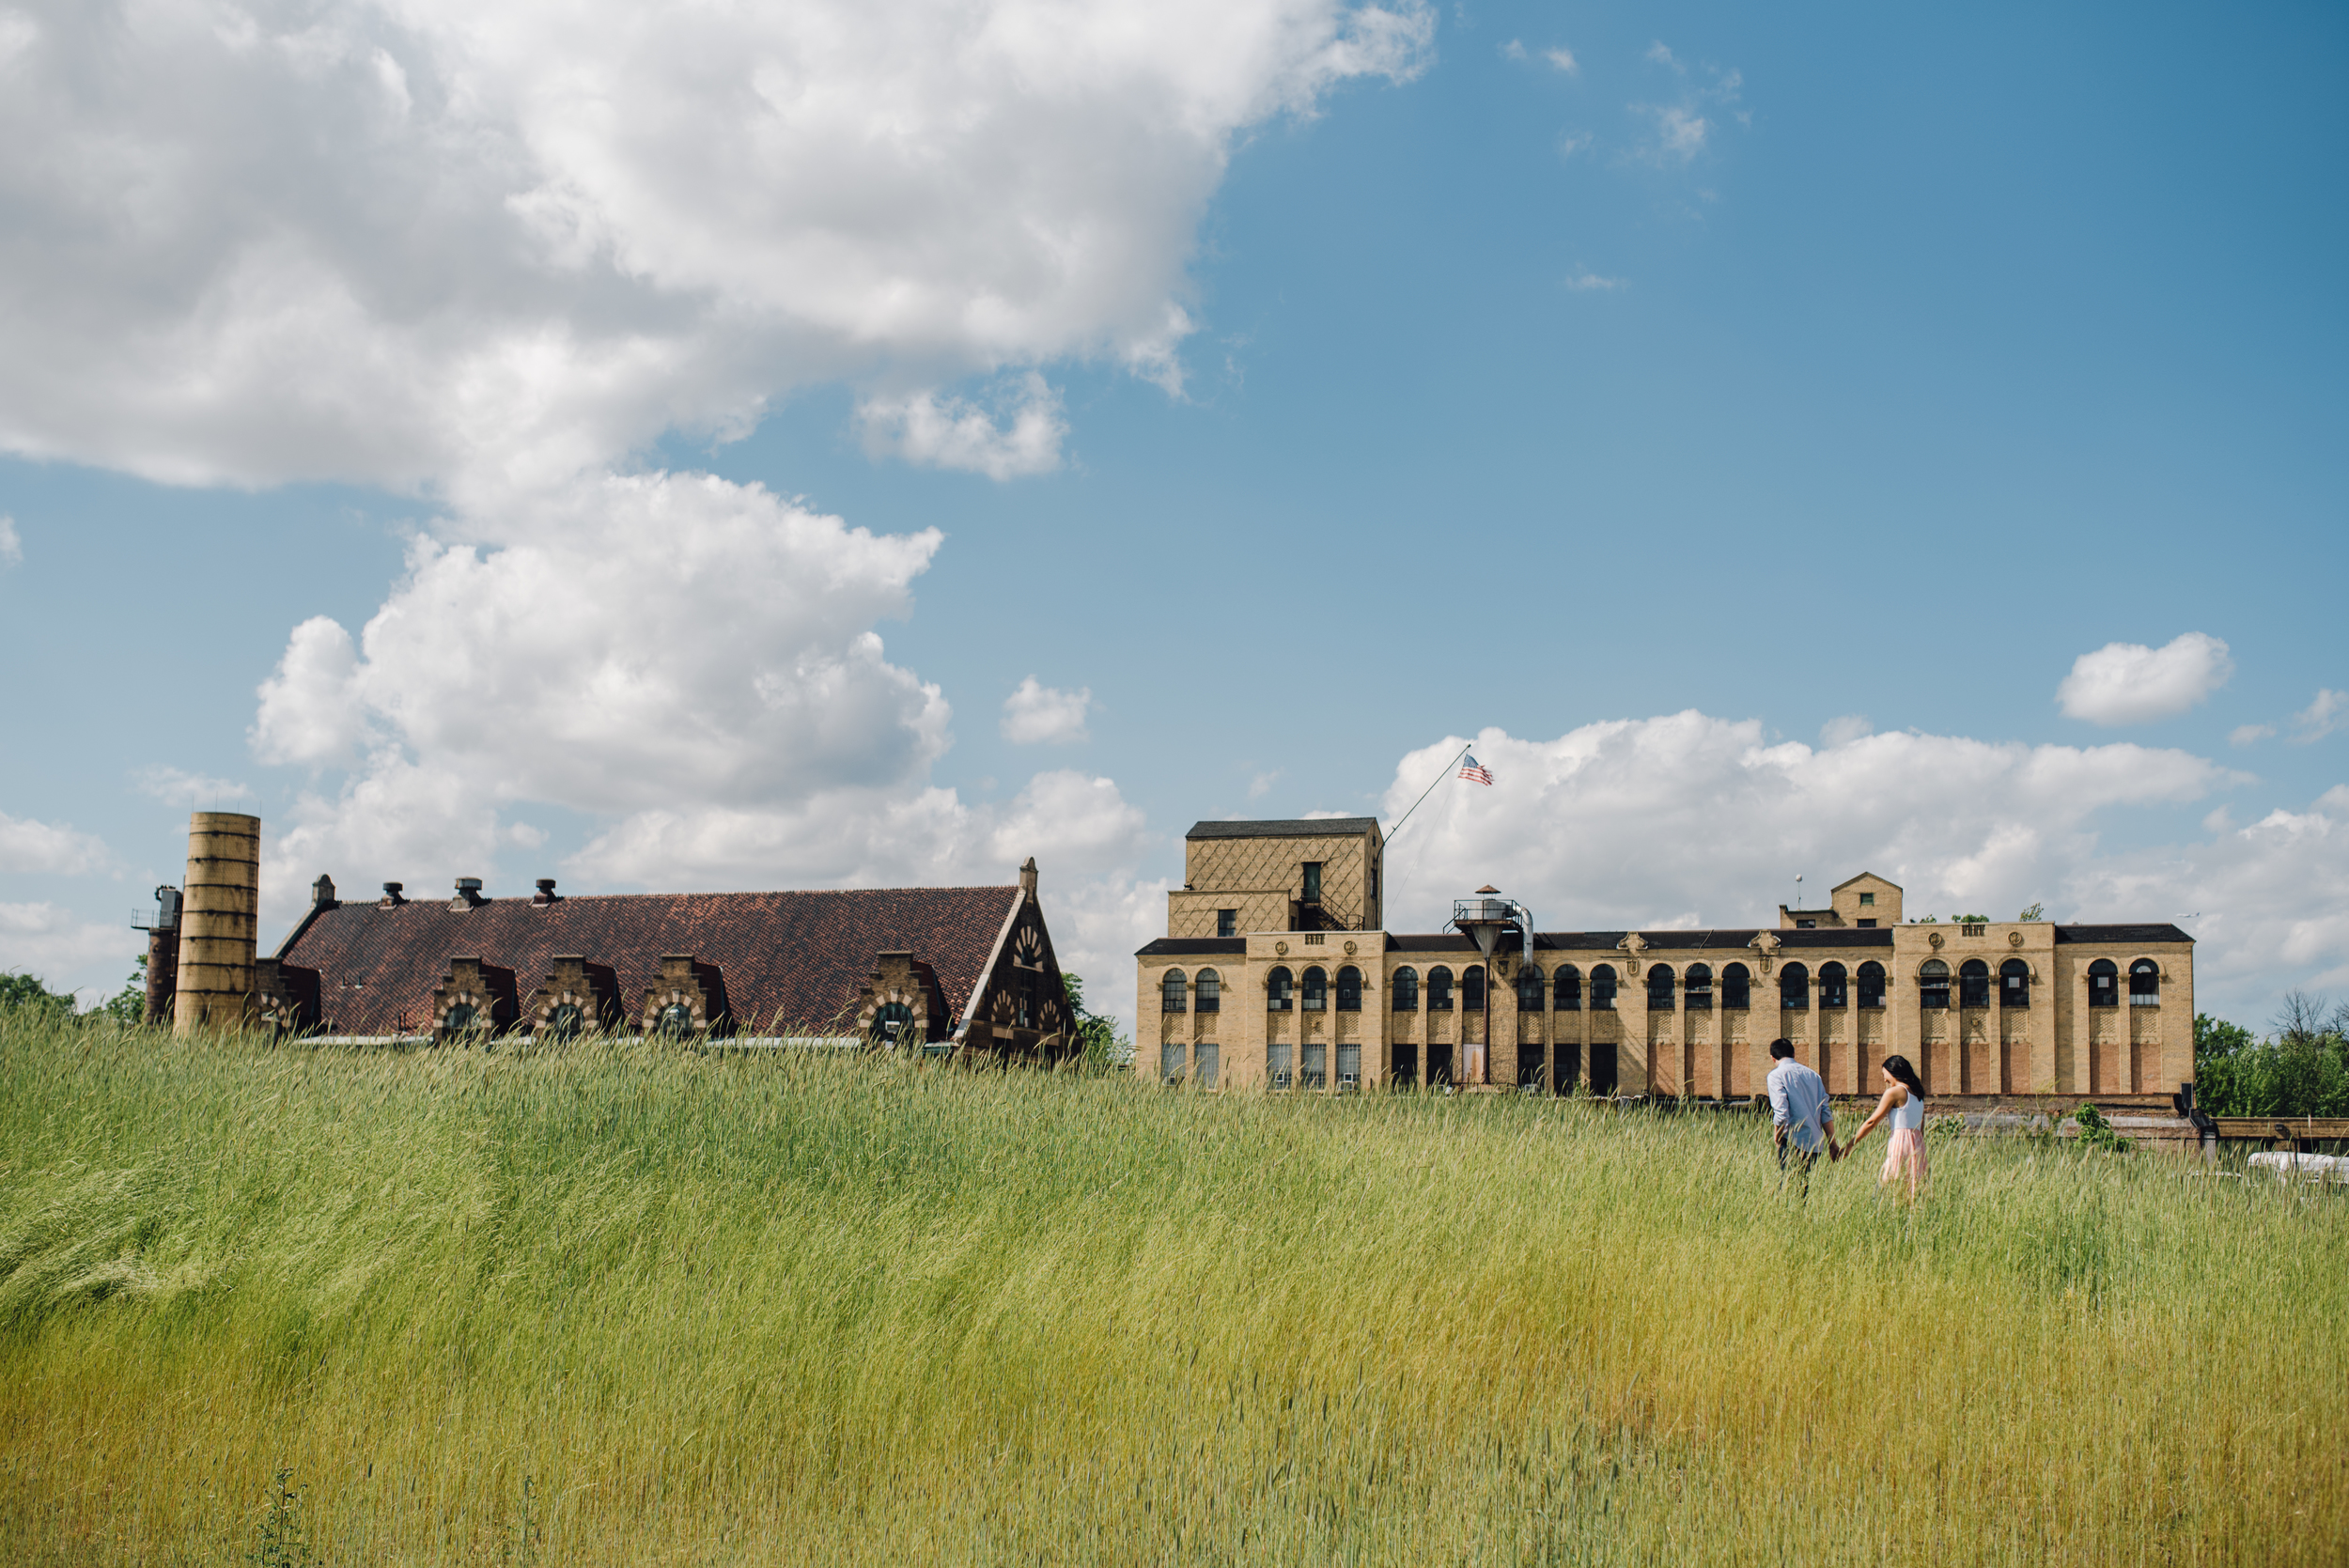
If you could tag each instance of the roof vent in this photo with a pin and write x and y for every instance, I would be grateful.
(468, 894)
(391, 893)
(546, 892)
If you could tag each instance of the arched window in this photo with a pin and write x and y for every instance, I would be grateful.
(1696, 991)
(1317, 990)
(1568, 988)
(1973, 983)
(2104, 983)
(676, 1020)
(566, 1023)
(1933, 985)
(1473, 988)
(2014, 984)
(2144, 983)
(1659, 987)
(1602, 987)
(1171, 991)
(1406, 989)
(1530, 986)
(1206, 992)
(1834, 985)
(1279, 989)
(1872, 983)
(1349, 989)
(461, 1018)
(1794, 987)
(1440, 989)
(893, 1024)
(1736, 986)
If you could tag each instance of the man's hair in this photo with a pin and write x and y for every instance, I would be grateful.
(1781, 1048)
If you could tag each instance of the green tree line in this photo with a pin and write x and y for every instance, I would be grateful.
(2300, 1069)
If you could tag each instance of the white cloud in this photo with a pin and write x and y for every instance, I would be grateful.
(1691, 820)
(46, 848)
(420, 242)
(949, 432)
(195, 791)
(1592, 282)
(1843, 731)
(1034, 713)
(2248, 734)
(1680, 134)
(2320, 718)
(64, 953)
(2128, 683)
(1514, 50)
(11, 548)
(1572, 141)
(1261, 785)
(1663, 56)
(1562, 59)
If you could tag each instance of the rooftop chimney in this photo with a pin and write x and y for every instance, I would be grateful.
(391, 893)
(323, 893)
(468, 894)
(1027, 877)
(546, 892)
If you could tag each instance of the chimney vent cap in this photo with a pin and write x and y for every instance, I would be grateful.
(468, 884)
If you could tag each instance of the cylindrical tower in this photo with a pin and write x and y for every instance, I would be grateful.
(219, 918)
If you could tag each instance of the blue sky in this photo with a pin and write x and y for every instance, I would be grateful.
(1542, 374)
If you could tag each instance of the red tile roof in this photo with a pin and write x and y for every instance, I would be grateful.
(796, 959)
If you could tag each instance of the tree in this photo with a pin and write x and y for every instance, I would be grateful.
(2301, 1070)
(128, 1007)
(25, 991)
(1101, 1048)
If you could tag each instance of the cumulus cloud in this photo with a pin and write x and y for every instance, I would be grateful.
(2320, 718)
(49, 849)
(1034, 713)
(56, 947)
(196, 791)
(1679, 132)
(2128, 683)
(428, 243)
(1689, 821)
(932, 431)
(11, 548)
(2249, 735)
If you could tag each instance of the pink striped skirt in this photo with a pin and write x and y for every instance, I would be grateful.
(1907, 1154)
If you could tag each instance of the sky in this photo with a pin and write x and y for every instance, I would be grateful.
(853, 445)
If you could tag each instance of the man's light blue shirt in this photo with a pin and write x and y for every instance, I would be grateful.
(1798, 1103)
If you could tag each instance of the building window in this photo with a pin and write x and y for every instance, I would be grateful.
(1973, 983)
(1568, 989)
(1208, 991)
(1349, 1066)
(892, 1024)
(1659, 987)
(1170, 1062)
(1313, 881)
(1210, 1061)
(2144, 983)
(1867, 901)
(1227, 923)
(1317, 990)
(1440, 989)
(1280, 1065)
(1806, 925)
(1407, 989)
(1696, 992)
(566, 1021)
(1868, 924)
(2014, 984)
(1736, 986)
(1933, 985)
(1316, 1073)
(1602, 987)
(675, 1019)
(1349, 989)
(1473, 988)
(1872, 983)
(1794, 988)
(1171, 991)
(1279, 989)
(461, 1018)
(1374, 884)
(1530, 983)
(1834, 989)
(2104, 983)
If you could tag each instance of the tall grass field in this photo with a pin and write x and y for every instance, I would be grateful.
(628, 1304)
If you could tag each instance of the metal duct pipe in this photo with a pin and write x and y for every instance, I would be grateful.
(219, 920)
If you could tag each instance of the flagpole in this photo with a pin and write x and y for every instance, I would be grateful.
(1429, 790)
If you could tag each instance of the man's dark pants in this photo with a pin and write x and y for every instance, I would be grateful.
(1799, 1162)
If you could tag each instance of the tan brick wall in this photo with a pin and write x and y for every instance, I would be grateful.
(1273, 868)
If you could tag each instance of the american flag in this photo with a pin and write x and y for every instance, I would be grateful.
(1476, 771)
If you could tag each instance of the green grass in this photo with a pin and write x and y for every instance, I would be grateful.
(628, 1305)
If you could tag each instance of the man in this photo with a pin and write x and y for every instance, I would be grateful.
(1802, 1123)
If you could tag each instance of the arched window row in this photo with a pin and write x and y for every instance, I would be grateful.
(1349, 989)
(2144, 983)
(1171, 991)
(1317, 990)
(1440, 989)
(1280, 989)
(2104, 983)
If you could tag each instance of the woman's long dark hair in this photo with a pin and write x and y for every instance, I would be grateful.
(1904, 1075)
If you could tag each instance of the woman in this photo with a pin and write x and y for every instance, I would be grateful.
(1904, 1101)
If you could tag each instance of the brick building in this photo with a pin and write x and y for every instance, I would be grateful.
(1275, 973)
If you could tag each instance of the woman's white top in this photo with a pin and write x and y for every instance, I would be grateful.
(1912, 1115)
